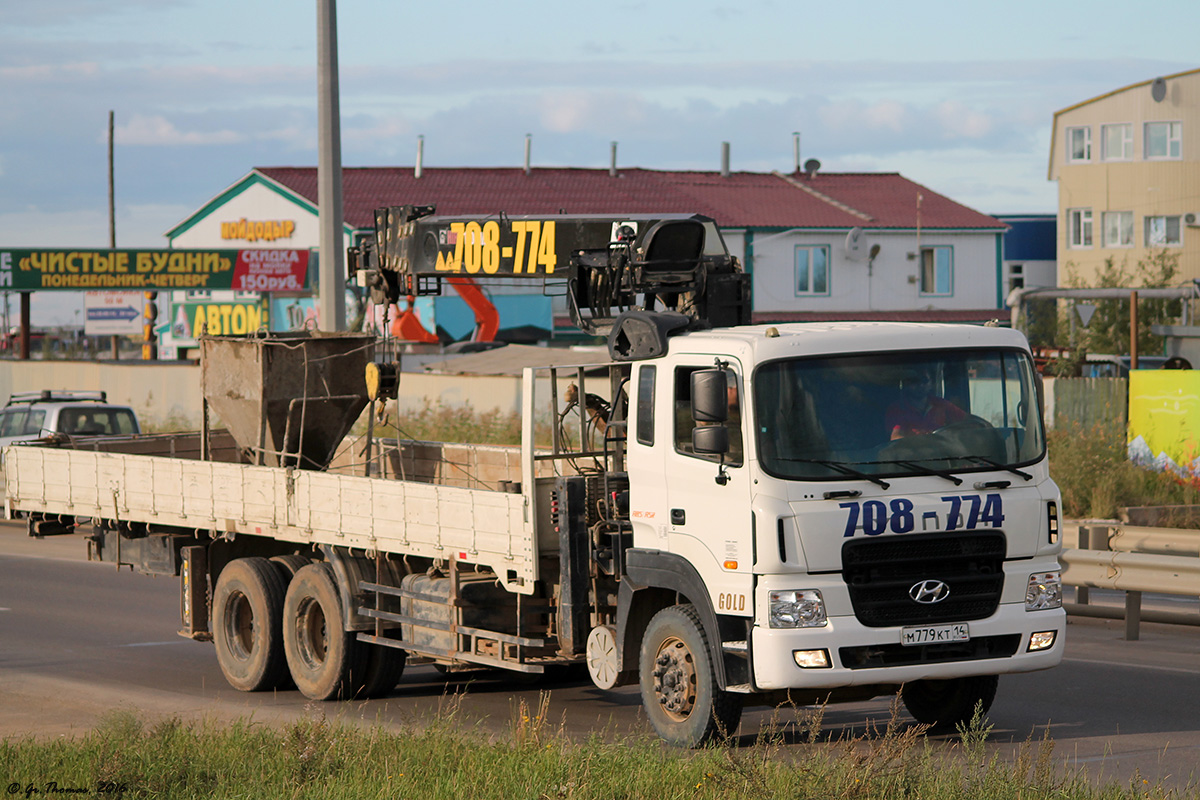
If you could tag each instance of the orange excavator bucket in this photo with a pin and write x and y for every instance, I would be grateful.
(407, 326)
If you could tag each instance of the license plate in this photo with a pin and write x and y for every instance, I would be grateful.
(935, 634)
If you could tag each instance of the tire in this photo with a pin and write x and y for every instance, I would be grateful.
(679, 684)
(326, 662)
(384, 666)
(946, 704)
(290, 564)
(247, 630)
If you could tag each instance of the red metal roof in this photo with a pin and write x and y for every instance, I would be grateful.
(743, 199)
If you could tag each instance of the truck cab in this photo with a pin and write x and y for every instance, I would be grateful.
(878, 513)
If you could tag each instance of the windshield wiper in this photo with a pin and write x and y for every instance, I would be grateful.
(998, 465)
(839, 467)
(941, 473)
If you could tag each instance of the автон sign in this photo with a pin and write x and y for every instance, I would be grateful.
(251, 270)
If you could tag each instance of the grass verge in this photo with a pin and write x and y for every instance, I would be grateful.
(316, 759)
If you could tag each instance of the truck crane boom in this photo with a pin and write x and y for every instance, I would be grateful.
(608, 263)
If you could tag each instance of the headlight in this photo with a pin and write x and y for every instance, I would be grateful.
(797, 609)
(1044, 591)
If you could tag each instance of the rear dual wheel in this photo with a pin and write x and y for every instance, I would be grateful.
(325, 660)
(280, 620)
(247, 609)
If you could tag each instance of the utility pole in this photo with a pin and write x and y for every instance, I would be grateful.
(332, 259)
(112, 225)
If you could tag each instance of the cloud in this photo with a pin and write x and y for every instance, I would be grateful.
(158, 131)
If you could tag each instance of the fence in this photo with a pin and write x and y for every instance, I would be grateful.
(1087, 401)
(1133, 559)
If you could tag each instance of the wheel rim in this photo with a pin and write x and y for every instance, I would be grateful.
(675, 678)
(312, 636)
(239, 625)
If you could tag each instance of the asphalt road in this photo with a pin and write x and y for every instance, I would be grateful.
(79, 639)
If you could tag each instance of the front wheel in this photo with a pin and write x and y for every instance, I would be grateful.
(678, 682)
(946, 704)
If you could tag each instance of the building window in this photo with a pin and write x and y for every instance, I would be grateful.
(1164, 140)
(1163, 232)
(1116, 142)
(812, 270)
(1079, 144)
(1079, 227)
(1118, 228)
(937, 270)
(1016, 277)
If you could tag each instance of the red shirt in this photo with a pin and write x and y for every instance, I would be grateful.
(902, 419)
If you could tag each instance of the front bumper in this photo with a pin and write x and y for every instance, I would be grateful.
(861, 655)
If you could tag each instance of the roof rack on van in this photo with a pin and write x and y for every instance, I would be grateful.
(51, 396)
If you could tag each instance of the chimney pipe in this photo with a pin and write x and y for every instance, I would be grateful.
(796, 150)
(528, 151)
(724, 159)
(420, 156)
(612, 166)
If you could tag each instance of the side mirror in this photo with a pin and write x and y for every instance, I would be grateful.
(710, 439)
(710, 396)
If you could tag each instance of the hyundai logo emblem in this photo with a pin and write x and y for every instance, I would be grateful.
(929, 592)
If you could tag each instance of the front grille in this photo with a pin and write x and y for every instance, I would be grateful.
(880, 573)
(897, 655)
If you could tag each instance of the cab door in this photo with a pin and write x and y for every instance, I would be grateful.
(708, 518)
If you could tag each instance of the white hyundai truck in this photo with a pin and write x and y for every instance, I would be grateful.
(725, 516)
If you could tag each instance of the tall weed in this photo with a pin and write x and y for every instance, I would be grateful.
(1091, 467)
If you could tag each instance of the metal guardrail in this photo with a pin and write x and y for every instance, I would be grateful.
(1133, 560)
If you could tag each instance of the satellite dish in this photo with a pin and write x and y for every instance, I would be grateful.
(1158, 90)
(854, 244)
(811, 166)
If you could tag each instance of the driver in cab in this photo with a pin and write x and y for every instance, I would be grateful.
(919, 410)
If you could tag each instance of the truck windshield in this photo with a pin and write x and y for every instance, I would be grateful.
(897, 414)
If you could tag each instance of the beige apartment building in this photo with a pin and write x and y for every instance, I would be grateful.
(1128, 170)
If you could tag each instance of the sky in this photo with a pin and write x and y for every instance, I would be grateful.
(958, 96)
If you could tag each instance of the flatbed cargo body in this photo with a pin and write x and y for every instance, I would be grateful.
(299, 506)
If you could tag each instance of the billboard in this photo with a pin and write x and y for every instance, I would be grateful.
(113, 313)
(1164, 421)
(217, 318)
(251, 270)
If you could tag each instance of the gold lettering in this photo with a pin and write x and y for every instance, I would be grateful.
(238, 319)
(214, 320)
(253, 230)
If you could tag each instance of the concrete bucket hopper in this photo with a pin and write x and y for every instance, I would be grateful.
(288, 399)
